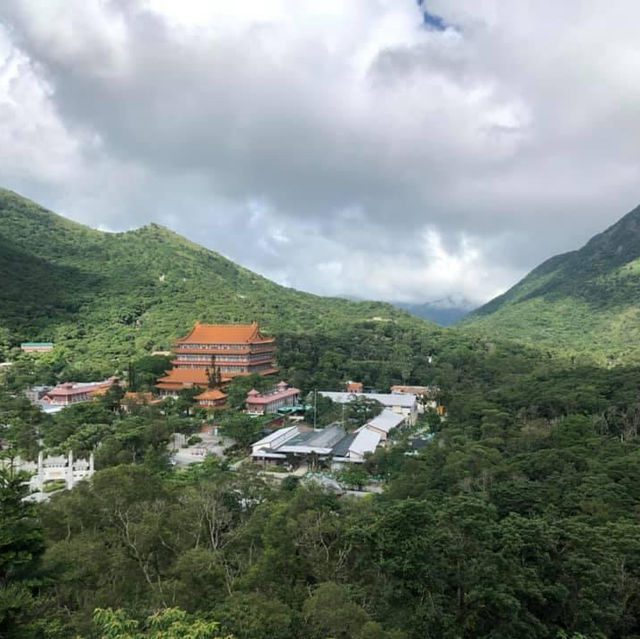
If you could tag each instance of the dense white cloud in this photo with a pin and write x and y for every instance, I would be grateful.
(363, 152)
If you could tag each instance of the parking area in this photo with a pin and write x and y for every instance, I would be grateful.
(183, 454)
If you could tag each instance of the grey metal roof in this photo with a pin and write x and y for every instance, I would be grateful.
(342, 447)
(281, 432)
(387, 420)
(316, 441)
(366, 441)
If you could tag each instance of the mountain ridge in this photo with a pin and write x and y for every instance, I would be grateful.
(445, 312)
(104, 296)
(585, 301)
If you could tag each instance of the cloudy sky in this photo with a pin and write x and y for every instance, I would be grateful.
(371, 148)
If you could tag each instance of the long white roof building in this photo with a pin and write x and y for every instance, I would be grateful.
(366, 441)
(385, 422)
(386, 399)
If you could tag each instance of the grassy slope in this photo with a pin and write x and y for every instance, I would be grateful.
(104, 297)
(585, 302)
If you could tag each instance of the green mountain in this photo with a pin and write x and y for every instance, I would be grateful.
(105, 297)
(443, 312)
(585, 302)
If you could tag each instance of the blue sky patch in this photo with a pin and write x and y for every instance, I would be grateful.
(431, 19)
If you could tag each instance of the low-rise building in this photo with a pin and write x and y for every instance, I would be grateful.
(402, 403)
(426, 396)
(282, 396)
(298, 442)
(75, 392)
(36, 347)
(331, 445)
(384, 423)
(353, 387)
(266, 449)
(365, 441)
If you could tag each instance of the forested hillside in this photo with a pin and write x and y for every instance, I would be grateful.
(519, 519)
(103, 298)
(586, 302)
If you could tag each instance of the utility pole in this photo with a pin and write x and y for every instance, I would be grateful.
(315, 406)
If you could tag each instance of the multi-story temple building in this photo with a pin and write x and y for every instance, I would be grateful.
(224, 350)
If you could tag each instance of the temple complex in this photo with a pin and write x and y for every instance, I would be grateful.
(216, 353)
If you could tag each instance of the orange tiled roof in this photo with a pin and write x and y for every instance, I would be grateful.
(177, 378)
(224, 334)
(212, 393)
(186, 376)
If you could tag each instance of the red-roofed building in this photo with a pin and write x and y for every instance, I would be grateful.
(353, 387)
(75, 392)
(233, 349)
(263, 403)
(211, 398)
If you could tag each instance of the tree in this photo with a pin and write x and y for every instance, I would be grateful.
(185, 403)
(240, 427)
(361, 409)
(241, 385)
(214, 376)
(132, 377)
(21, 544)
(168, 623)
(433, 420)
(113, 397)
(402, 360)
(330, 613)
(147, 369)
(256, 616)
(322, 410)
(353, 476)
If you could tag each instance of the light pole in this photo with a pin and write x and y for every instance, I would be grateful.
(315, 407)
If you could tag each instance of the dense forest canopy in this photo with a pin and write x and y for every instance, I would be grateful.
(520, 518)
